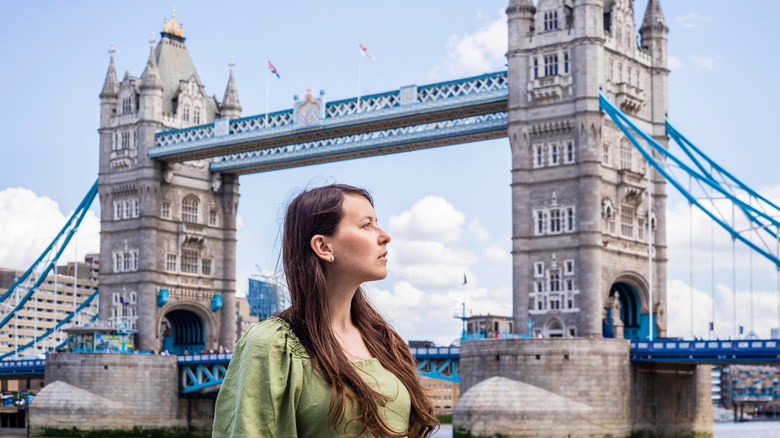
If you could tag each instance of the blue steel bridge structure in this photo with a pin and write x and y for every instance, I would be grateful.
(416, 117)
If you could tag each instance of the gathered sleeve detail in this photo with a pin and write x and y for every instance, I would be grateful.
(262, 388)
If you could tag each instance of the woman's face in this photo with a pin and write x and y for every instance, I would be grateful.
(359, 245)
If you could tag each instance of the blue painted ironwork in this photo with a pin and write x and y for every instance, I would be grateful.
(475, 128)
(745, 351)
(408, 106)
(64, 321)
(22, 367)
(162, 297)
(627, 127)
(203, 373)
(216, 302)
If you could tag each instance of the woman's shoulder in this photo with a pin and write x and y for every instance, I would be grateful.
(271, 335)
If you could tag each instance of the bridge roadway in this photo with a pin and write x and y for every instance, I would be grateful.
(202, 373)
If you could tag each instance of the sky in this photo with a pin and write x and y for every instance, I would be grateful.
(448, 209)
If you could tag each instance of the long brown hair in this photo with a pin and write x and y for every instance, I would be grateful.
(319, 211)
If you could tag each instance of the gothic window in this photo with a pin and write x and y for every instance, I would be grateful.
(568, 151)
(127, 261)
(554, 154)
(539, 269)
(165, 209)
(555, 280)
(626, 156)
(135, 208)
(185, 113)
(117, 210)
(539, 287)
(125, 140)
(132, 297)
(566, 62)
(540, 305)
(205, 266)
(536, 68)
(605, 155)
(189, 209)
(128, 209)
(115, 298)
(551, 20)
(568, 266)
(118, 262)
(569, 286)
(538, 155)
(127, 105)
(196, 116)
(569, 219)
(213, 217)
(540, 222)
(627, 221)
(189, 261)
(555, 221)
(170, 262)
(640, 229)
(551, 65)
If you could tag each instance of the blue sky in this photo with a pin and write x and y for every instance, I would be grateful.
(723, 92)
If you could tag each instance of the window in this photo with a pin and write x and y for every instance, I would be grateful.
(196, 115)
(165, 209)
(189, 261)
(627, 221)
(551, 65)
(538, 155)
(126, 261)
(555, 221)
(625, 155)
(117, 210)
(566, 62)
(568, 267)
(125, 140)
(135, 208)
(205, 265)
(540, 305)
(569, 286)
(127, 105)
(128, 209)
(539, 269)
(640, 229)
(536, 68)
(132, 297)
(213, 217)
(605, 155)
(551, 20)
(540, 222)
(170, 262)
(118, 262)
(554, 154)
(115, 298)
(570, 219)
(569, 152)
(189, 210)
(185, 113)
(555, 280)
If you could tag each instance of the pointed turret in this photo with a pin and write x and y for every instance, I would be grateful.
(110, 85)
(151, 89)
(230, 106)
(654, 18)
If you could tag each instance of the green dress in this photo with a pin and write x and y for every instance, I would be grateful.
(273, 390)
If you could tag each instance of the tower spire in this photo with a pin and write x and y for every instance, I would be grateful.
(110, 85)
(230, 107)
(654, 18)
(151, 75)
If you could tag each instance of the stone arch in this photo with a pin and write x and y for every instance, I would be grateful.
(183, 309)
(554, 328)
(627, 307)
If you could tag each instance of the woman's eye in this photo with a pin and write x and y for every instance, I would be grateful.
(367, 225)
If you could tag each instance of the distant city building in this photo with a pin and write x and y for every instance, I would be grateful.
(244, 319)
(442, 393)
(421, 344)
(487, 326)
(754, 385)
(58, 296)
(715, 384)
(264, 298)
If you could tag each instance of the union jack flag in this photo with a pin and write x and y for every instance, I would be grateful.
(364, 52)
(272, 69)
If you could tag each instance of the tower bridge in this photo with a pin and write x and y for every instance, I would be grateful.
(584, 111)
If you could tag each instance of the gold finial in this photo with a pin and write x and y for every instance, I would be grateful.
(172, 27)
(308, 92)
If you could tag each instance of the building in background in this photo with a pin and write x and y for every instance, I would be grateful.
(487, 326)
(244, 319)
(442, 393)
(754, 386)
(64, 289)
(265, 298)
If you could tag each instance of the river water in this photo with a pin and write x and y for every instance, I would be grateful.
(750, 429)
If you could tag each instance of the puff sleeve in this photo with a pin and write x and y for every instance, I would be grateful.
(261, 390)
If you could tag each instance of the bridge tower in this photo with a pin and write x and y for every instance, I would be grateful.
(580, 200)
(168, 231)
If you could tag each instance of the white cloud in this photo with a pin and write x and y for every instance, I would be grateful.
(690, 21)
(480, 232)
(30, 222)
(496, 253)
(479, 52)
(430, 218)
(675, 63)
(705, 62)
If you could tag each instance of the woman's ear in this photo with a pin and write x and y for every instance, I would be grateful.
(320, 246)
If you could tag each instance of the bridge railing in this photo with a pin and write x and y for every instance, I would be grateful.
(707, 351)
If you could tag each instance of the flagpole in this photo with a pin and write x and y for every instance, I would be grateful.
(267, 79)
(358, 87)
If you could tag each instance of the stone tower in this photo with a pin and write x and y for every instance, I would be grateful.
(580, 200)
(168, 231)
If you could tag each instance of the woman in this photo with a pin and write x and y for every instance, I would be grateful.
(329, 366)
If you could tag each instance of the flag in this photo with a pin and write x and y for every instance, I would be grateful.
(123, 301)
(272, 69)
(364, 52)
(464, 279)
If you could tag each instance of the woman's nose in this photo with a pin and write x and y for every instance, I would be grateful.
(384, 238)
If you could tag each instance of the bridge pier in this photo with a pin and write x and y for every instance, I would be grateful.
(579, 387)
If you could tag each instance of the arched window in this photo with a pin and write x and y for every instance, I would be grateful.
(185, 113)
(626, 155)
(189, 209)
(196, 115)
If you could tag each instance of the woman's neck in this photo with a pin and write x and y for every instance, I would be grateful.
(340, 294)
